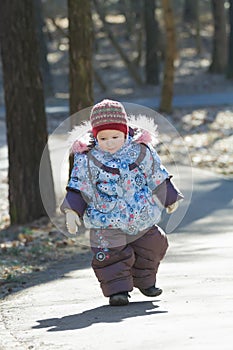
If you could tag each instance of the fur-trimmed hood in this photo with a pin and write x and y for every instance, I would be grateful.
(141, 129)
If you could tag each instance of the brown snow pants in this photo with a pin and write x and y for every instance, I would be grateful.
(129, 261)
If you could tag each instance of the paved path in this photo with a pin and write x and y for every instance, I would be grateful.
(194, 100)
(64, 309)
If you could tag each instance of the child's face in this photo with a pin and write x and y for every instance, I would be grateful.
(110, 140)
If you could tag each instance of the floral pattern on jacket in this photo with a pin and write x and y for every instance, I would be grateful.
(118, 187)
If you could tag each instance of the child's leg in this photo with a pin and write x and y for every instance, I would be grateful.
(114, 271)
(149, 250)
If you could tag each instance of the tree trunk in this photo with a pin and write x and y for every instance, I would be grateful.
(133, 13)
(80, 54)
(43, 50)
(80, 63)
(229, 72)
(127, 8)
(219, 51)
(198, 29)
(190, 12)
(152, 47)
(169, 69)
(25, 112)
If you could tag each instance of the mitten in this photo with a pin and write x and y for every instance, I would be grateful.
(171, 208)
(72, 221)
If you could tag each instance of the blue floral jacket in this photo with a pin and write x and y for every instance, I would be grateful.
(116, 190)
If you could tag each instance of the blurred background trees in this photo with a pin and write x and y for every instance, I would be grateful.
(170, 54)
(152, 40)
(219, 49)
(80, 55)
(230, 42)
(136, 33)
(76, 51)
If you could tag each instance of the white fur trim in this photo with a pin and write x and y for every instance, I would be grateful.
(145, 123)
(80, 133)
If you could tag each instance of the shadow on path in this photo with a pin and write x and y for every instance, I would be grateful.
(206, 202)
(54, 271)
(209, 196)
(102, 314)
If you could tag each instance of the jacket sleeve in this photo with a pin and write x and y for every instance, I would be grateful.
(168, 193)
(77, 187)
(75, 201)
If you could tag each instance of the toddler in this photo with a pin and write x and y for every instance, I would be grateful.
(118, 187)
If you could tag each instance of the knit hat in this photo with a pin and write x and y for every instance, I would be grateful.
(108, 115)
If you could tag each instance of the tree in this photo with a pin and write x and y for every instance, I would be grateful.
(219, 51)
(25, 112)
(229, 72)
(132, 68)
(191, 19)
(152, 43)
(170, 53)
(198, 29)
(80, 54)
(43, 50)
(190, 11)
(134, 25)
(80, 59)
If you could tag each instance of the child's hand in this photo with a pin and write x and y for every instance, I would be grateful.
(171, 208)
(72, 221)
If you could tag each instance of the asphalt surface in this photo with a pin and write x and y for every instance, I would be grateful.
(197, 100)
